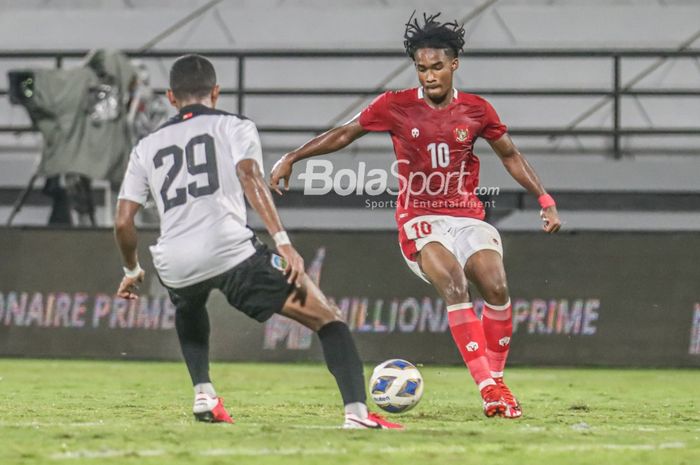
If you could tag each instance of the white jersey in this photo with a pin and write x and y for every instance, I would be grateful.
(189, 166)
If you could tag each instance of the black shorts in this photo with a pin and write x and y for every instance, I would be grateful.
(257, 286)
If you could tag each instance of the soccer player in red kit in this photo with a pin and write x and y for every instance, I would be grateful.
(442, 235)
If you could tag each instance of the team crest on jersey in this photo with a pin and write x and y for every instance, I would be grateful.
(461, 134)
(278, 262)
(415, 133)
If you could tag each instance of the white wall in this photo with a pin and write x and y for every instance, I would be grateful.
(374, 24)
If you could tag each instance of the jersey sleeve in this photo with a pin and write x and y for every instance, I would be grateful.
(245, 143)
(135, 184)
(492, 128)
(376, 116)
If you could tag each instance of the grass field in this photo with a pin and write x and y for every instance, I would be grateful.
(139, 413)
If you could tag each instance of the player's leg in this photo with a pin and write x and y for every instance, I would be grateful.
(310, 307)
(448, 278)
(485, 269)
(258, 287)
(192, 326)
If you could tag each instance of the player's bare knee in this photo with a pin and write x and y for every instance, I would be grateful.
(455, 291)
(331, 313)
(324, 315)
(337, 314)
(496, 293)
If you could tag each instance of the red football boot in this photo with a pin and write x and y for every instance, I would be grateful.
(493, 401)
(513, 410)
(373, 421)
(210, 409)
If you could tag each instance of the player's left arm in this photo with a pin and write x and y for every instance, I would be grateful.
(127, 241)
(518, 167)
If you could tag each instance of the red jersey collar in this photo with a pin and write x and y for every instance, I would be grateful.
(421, 95)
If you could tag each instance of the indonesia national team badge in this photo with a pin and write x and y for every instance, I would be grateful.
(461, 134)
(278, 262)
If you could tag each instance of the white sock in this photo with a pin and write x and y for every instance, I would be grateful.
(359, 409)
(204, 388)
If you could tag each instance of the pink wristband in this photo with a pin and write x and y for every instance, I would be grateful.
(546, 201)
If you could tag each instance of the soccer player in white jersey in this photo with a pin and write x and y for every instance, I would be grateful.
(198, 167)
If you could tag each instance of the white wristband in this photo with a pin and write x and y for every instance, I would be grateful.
(133, 273)
(281, 238)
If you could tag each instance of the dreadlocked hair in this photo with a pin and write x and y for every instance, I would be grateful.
(433, 34)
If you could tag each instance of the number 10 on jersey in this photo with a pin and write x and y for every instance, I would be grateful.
(439, 154)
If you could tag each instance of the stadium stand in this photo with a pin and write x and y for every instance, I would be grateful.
(647, 182)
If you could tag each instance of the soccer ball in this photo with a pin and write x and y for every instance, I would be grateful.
(396, 386)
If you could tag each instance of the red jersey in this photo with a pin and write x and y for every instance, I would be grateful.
(437, 169)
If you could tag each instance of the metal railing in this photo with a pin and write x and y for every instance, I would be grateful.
(615, 92)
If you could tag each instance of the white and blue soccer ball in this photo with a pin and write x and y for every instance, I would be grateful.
(396, 386)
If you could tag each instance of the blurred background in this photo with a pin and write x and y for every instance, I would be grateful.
(603, 98)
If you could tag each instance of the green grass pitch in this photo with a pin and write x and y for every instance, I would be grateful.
(90, 412)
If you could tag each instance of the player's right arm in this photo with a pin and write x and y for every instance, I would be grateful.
(260, 198)
(328, 142)
(132, 195)
(247, 157)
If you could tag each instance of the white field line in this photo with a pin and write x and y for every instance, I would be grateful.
(589, 447)
(105, 454)
(267, 451)
(38, 424)
(287, 451)
(413, 427)
(54, 424)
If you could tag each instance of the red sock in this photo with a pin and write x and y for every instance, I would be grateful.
(498, 329)
(468, 334)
